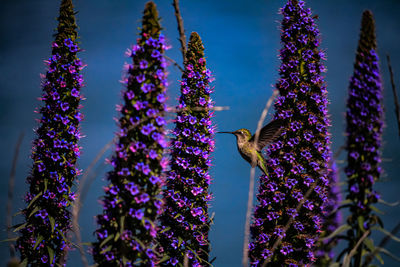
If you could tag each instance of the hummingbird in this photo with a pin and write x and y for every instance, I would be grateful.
(250, 150)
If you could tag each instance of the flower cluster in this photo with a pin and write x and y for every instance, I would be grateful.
(127, 228)
(55, 151)
(291, 197)
(185, 222)
(364, 130)
(331, 219)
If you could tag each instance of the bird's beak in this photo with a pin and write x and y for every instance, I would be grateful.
(226, 132)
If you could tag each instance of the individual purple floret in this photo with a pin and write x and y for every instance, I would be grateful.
(291, 197)
(185, 222)
(132, 201)
(364, 118)
(55, 150)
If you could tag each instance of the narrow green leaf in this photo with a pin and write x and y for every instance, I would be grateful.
(106, 240)
(338, 230)
(376, 209)
(51, 254)
(387, 252)
(52, 223)
(63, 236)
(165, 229)
(20, 227)
(383, 230)
(379, 258)
(36, 209)
(34, 199)
(46, 181)
(117, 235)
(17, 213)
(360, 221)
(390, 204)
(369, 243)
(139, 242)
(165, 258)
(9, 239)
(122, 223)
(105, 250)
(38, 240)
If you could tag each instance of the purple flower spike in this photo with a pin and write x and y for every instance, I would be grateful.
(364, 132)
(132, 205)
(187, 189)
(55, 152)
(297, 162)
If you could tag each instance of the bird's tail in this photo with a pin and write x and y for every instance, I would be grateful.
(262, 164)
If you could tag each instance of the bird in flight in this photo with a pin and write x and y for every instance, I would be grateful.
(250, 148)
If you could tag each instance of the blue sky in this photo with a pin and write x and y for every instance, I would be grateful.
(241, 41)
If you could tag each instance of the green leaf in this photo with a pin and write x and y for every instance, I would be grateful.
(376, 209)
(34, 199)
(387, 252)
(117, 235)
(165, 229)
(194, 252)
(393, 237)
(360, 220)
(20, 227)
(165, 258)
(338, 230)
(335, 264)
(105, 250)
(36, 209)
(17, 213)
(106, 240)
(139, 242)
(390, 204)
(52, 223)
(51, 254)
(38, 240)
(9, 239)
(369, 243)
(62, 235)
(124, 260)
(46, 181)
(379, 259)
(122, 223)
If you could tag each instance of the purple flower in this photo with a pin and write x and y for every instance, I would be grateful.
(302, 105)
(137, 163)
(364, 118)
(187, 183)
(143, 64)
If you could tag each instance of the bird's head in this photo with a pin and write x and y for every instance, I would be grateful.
(241, 134)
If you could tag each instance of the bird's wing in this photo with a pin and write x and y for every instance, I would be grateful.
(268, 134)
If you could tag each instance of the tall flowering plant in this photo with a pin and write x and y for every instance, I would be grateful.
(127, 228)
(288, 217)
(364, 118)
(42, 239)
(185, 222)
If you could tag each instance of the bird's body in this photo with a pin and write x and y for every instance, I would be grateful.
(250, 150)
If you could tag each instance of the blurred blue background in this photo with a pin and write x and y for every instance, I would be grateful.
(242, 42)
